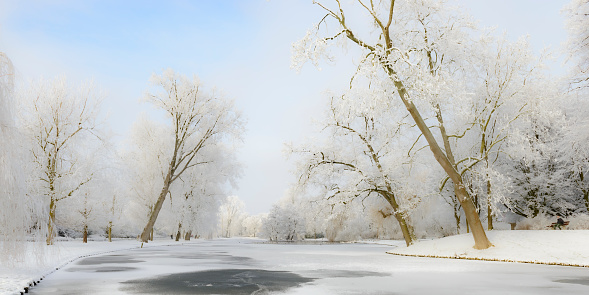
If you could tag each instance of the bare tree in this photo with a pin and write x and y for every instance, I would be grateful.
(198, 121)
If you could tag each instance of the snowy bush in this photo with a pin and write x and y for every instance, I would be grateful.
(580, 221)
(433, 218)
(543, 222)
(283, 224)
(540, 222)
(253, 224)
(343, 228)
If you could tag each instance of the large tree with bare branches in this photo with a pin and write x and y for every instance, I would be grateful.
(199, 120)
(415, 45)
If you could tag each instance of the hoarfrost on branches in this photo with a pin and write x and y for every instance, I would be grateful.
(577, 24)
(310, 48)
(201, 124)
(18, 208)
(59, 119)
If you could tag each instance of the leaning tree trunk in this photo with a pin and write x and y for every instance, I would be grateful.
(479, 235)
(156, 208)
(478, 232)
(406, 229)
(388, 194)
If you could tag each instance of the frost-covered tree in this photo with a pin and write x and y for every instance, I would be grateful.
(58, 119)
(360, 156)
(200, 194)
(193, 201)
(284, 223)
(575, 140)
(18, 210)
(505, 79)
(409, 45)
(253, 224)
(144, 167)
(543, 171)
(573, 150)
(231, 216)
(90, 209)
(114, 213)
(315, 210)
(198, 122)
(209, 184)
(577, 24)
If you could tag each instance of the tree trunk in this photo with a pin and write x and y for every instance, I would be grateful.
(389, 195)
(406, 229)
(228, 227)
(110, 231)
(478, 232)
(156, 209)
(51, 222)
(456, 216)
(85, 239)
(178, 233)
(489, 210)
(585, 191)
(586, 198)
(187, 235)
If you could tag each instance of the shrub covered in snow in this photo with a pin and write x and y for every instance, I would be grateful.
(543, 222)
(284, 223)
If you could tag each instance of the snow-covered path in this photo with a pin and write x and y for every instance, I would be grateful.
(245, 266)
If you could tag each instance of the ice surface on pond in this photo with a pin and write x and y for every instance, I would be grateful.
(246, 266)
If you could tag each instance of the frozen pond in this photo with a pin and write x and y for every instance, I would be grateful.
(242, 266)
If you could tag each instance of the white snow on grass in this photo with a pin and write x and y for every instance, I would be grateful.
(558, 247)
(40, 261)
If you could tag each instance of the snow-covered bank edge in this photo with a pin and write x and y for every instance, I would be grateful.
(562, 248)
(21, 281)
(490, 259)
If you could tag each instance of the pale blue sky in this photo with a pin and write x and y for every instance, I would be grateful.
(241, 47)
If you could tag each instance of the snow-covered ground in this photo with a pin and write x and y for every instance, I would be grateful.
(556, 247)
(310, 267)
(40, 261)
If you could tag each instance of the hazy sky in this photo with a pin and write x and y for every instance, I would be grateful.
(242, 47)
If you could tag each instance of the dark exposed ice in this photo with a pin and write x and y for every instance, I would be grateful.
(222, 281)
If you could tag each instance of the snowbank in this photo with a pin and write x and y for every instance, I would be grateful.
(39, 262)
(554, 247)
